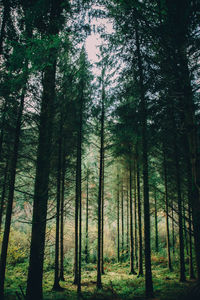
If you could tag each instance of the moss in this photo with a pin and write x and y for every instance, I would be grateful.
(117, 283)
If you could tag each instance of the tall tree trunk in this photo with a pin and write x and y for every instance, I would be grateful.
(148, 272)
(122, 217)
(3, 193)
(180, 216)
(173, 229)
(62, 218)
(87, 218)
(35, 273)
(13, 165)
(56, 285)
(135, 215)
(127, 220)
(189, 185)
(167, 210)
(185, 228)
(102, 216)
(132, 271)
(140, 263)
(156, 221)
(40, 201)
(118, 233)
(99, 284)
(76, 223)
(79, 185)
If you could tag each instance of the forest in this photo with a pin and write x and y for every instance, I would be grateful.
(99, 149)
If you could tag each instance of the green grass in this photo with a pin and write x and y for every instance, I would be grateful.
(117, 283)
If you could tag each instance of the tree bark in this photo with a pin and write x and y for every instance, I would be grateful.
(167, 210)
(140, 262)
(99, 283)
(156, 222)
(102, 216)
(118, 232)
(132, 271)
(122, 218)
(127, 220)
(87, 218)
(147, 239)
(56, 285)
(62, 278)
(135, 215)
(3, 194)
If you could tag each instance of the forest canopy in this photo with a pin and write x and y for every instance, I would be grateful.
(99, 149)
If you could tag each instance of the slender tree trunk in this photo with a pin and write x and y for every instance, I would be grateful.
(3, 194)
(86, 223)
(180, 216)
(122, 217)
(185, 228)
(167, 210)
(189, 183)
(76, 225)
(102, 216)
(132, 271)
(140, 263)
(148, 272)
(56, 285)
(79, 186)
(173, 229)
(118, 233)
(135, 215)
(156, 221)
(62, 218)
(127, 220)
(3, 122)
(13, 165)
(99, 284)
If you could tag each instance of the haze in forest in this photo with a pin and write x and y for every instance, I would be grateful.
(99, 150)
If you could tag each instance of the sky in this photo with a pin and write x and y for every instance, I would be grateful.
(94, 40)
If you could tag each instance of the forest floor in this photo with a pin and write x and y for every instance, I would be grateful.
(117, 283)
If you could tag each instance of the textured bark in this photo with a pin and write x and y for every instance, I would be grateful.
(62, 219)
(99, 284)
(102, 217)
(127, 220)
(79, 184)
(3, 194)
(173, 231)
(147, 239)
(35, 274)
(140, 262)
(76, 225)
(189, 185)
(135, 217)
(56, 285)
(180, 216)
(132, 271)
(167, 211)
(118, 233)
(156, 222)
(122, 216)
(87, 218)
